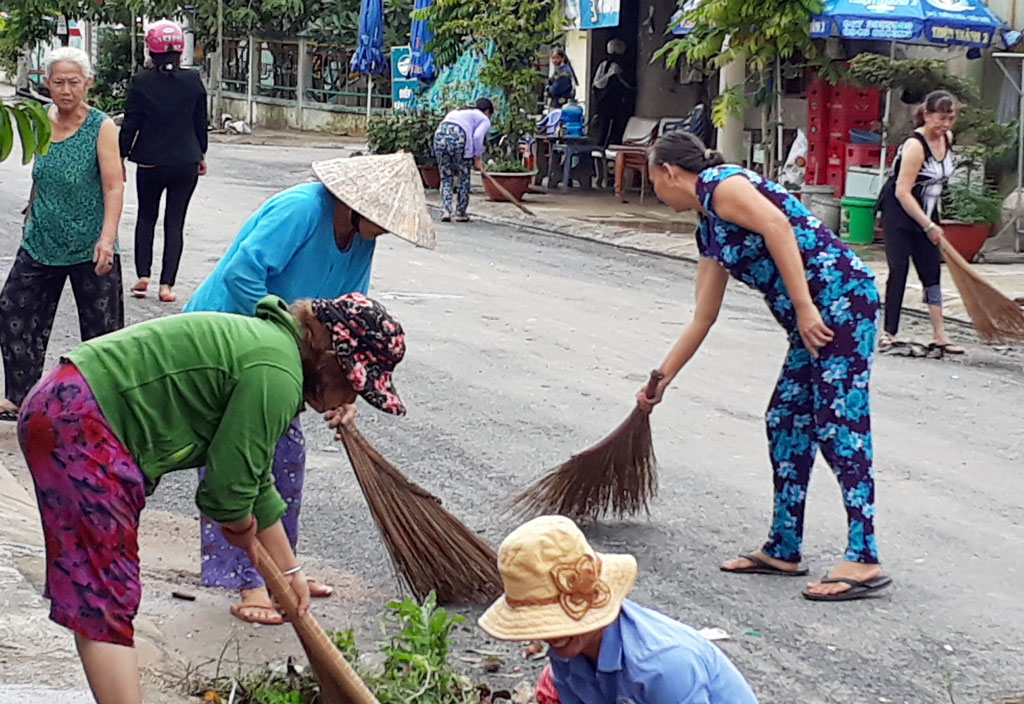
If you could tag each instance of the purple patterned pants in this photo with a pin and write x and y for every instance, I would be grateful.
(224, 565)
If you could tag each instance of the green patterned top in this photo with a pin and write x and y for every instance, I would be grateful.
(67, 210)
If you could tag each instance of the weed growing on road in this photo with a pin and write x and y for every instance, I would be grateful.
(416, 665)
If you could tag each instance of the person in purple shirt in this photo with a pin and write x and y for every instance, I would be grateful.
(458, 145)
(604, 648)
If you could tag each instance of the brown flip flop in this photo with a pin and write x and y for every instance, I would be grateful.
(239, 611)
(762, 567)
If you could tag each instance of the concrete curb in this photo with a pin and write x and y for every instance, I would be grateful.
(976, 356)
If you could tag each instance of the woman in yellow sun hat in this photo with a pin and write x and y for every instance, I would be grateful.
(604, 648)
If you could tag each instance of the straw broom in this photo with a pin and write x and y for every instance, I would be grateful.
(339, 683)
(617, 475)
(994, 316)
(429, 548)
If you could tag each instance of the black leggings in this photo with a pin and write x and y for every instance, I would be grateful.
(28, 304)
(901, 245)
(179, 181)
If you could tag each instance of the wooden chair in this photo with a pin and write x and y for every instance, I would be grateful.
(631, 155)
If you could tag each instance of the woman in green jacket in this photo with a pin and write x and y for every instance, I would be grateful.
(213, 389)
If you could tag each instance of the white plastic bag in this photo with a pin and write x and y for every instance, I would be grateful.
(795, 169)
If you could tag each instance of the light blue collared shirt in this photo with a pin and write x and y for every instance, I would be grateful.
(648, 658)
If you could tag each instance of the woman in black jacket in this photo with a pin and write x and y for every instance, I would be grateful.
(164, 133)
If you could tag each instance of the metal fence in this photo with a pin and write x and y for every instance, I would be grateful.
(296, 72)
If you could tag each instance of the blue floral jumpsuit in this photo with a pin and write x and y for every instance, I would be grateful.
(818, 403)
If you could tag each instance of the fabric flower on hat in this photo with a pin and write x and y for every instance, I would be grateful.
(369, 343)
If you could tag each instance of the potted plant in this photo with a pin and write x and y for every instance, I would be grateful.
(968, 214)
(409, 131)
(511, 175)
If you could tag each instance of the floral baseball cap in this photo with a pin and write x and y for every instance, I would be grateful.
(369, 343)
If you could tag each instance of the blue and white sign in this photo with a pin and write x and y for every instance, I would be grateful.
(595, 14)
(403, 85)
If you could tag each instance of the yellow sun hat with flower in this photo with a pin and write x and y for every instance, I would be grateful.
(556, 585)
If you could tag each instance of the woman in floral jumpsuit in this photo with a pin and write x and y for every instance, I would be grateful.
(825, 299)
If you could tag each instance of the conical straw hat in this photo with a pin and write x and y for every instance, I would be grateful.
(385, 189)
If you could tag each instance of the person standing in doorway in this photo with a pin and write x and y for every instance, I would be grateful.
(164, 133)
(458, 145)
(610, 89)
(910, 213)
(70, 232)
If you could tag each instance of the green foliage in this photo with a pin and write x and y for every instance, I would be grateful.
(507, 166)
(416, 665)
(973, 204)
(32, 124)
(114, 70)
(515, 30)
(404, 130)
(918, 76)
(767, 35)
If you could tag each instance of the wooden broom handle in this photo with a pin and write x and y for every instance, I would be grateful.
(310, 632)
(504, 191)
(652, 383)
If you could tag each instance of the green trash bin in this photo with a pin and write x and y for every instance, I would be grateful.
(858, 221)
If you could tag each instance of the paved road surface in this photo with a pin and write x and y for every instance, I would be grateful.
(524, 348)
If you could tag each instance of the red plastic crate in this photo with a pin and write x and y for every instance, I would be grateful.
(816, 128)
(835, 155)
(836, 177)
(863, 154)
(815, 173)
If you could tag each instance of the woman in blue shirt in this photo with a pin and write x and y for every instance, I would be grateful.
(825, 299)
(314, 240)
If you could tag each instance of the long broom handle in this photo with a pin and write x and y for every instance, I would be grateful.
(652, 383)
(309, 631)
(504, 191)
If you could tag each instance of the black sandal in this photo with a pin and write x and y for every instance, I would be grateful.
(762, 567)
(9, 414)
(858, 590)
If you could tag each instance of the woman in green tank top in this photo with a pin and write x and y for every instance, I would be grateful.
(70, 231)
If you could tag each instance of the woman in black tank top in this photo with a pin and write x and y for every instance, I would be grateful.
(910, 205)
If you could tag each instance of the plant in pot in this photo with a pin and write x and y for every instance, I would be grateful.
(409, 131)
(510, 33)
(968, 214)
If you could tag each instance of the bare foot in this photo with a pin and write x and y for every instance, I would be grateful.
(319, 590)
(8, 411)
(256, 607)
(167, 295)
(857, 571)
(742, 563)
(139, 289)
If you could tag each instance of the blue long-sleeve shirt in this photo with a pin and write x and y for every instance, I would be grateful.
(648, 658)
(286, 248)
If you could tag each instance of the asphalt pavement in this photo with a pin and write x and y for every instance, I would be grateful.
(525, 348)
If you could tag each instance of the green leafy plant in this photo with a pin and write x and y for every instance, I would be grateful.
(507, 166)
(416, 665)
(32, 124)
(772, 38)
(919, 76)
(973, 204)
(404, 130)
(510, 33)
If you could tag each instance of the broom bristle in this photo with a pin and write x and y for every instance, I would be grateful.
(430, 549)
(616, 476)
(995, 317)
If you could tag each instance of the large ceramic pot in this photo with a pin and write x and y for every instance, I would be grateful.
(515, 183)
(431, 176)
(966, 237)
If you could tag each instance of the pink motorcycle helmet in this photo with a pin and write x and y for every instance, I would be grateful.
(165, 36)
